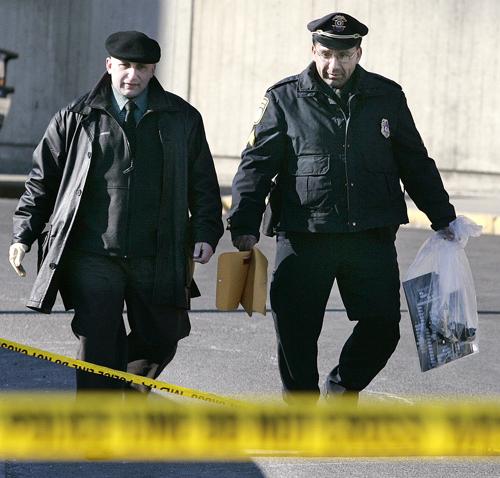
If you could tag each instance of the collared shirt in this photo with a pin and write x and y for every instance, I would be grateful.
(343, 93)
(119, 101)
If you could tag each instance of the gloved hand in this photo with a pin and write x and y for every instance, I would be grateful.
(446, 233)
(202, 252)
(244, 242)
(16, 256)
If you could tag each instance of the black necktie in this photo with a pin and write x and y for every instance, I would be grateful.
(129, 127)
(129, 124)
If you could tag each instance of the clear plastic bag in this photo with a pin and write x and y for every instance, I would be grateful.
(441, 297)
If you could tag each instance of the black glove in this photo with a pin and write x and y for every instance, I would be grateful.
(244, 242)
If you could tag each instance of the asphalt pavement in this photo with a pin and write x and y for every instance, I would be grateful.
(235, 355)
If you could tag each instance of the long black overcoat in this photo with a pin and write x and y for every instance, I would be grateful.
(190, 208)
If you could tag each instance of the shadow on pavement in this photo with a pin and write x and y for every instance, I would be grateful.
(137, 470)
(23, 373)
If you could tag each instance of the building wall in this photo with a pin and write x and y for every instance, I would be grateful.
(438, 50)
(61, 56)
(221, 55)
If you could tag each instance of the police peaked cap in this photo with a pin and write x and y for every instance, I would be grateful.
(133, 46)
(337, 30)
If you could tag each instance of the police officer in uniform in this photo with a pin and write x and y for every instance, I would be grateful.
(126, 184)
(338, 140)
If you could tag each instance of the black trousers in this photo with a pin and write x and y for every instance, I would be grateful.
(99, 286)
(366, 269)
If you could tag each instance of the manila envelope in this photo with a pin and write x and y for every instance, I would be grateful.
(242, 279)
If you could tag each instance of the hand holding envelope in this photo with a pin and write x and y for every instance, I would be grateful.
(242, 279)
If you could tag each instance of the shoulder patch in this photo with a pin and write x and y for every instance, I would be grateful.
(260, 112)
(257, 119)
(284, 81)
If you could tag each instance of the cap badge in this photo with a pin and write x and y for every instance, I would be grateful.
(338, 23)
(384, 128)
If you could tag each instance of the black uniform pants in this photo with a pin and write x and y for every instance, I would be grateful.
(99, 286)
(366, 269)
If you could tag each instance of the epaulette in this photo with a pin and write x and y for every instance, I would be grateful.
(284, 81)
(386, 81)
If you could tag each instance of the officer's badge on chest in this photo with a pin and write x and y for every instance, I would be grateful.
(384, 128)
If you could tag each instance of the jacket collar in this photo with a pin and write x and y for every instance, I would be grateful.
(364, 83)
(100, 97)
(309, 83)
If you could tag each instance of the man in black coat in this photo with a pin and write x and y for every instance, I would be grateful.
(125, 187)
(337, 140)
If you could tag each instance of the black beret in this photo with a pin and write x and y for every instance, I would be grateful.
(337, 30)
(133, 46)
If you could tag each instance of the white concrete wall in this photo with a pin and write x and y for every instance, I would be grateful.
(221, 55)
(443, 52)
(61, 56)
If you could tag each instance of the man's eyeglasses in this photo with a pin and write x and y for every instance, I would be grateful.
(343, 58)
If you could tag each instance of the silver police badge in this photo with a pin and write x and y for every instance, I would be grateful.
(338, 23)
(384, 128)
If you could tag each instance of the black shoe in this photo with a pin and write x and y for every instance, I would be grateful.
(332, 388)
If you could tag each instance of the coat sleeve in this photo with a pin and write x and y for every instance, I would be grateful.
(418, 171)
(260, 163)
(205, 204)
(37, 202)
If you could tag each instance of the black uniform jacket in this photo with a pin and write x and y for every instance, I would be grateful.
(190, 202)
(338, 163)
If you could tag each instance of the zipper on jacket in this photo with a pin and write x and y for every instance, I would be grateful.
(347, 120)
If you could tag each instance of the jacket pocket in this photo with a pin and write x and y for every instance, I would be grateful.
(310, 183)
(310, 165)
(379, 159)
(380, 177)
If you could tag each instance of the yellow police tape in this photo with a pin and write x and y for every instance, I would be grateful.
(116, 374)
(112, 427)
(58, 427)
